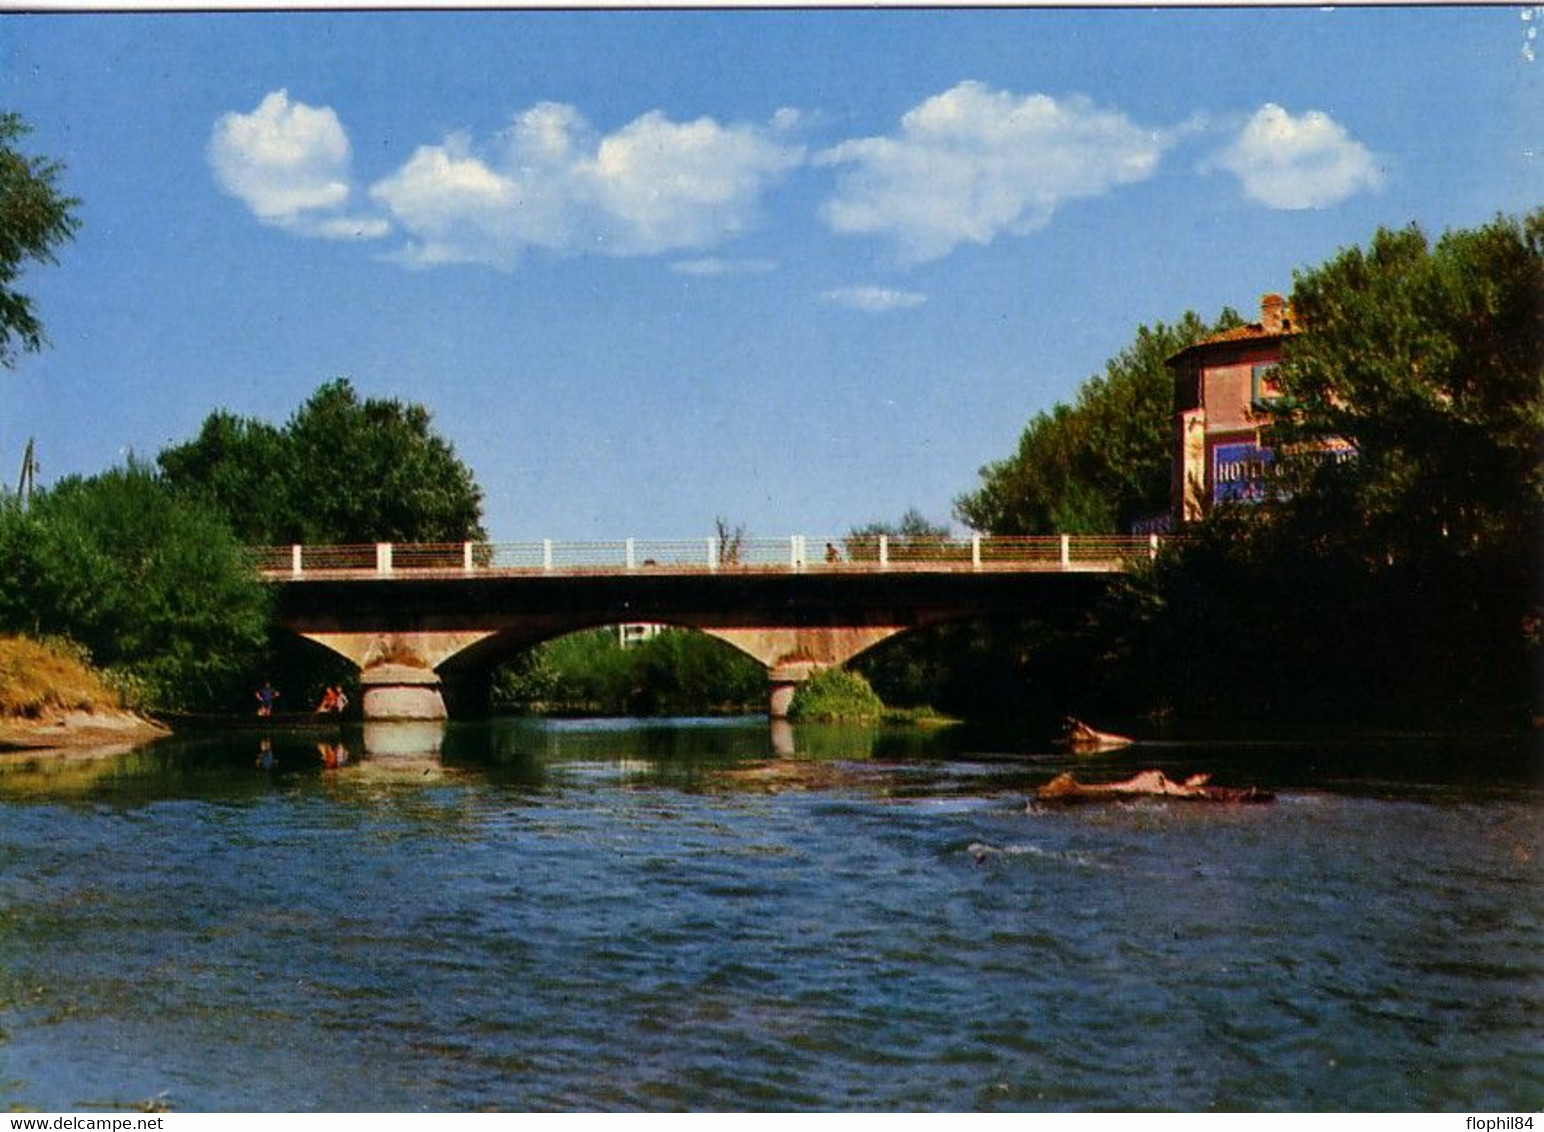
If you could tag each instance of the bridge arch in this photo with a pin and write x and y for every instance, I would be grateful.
(412, 623)
(410, 674)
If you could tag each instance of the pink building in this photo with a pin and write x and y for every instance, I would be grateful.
(1223, 393)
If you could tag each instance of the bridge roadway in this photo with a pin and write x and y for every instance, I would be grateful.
(427, 623)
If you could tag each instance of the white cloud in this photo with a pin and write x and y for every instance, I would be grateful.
(670, 185)
(971, 164)
(459, 210)
(786, 120)
(714, 266)
(874, 300)
(289, 163)
(549, 181)
(1306, 162)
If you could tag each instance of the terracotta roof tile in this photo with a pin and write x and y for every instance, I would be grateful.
(1248, 332)
(1245, 333)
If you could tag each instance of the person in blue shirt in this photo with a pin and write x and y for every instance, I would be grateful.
(266, 695)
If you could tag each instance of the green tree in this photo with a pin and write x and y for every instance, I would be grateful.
(34, 219)
(374, 470)
(683, 672)
(912, 525)
(526, 682)
(677, 672)
(153, 584)
(914, 535)
(341, 470)
(1399, 585)
(1093, 466)
(1430, 361)
(242, 467)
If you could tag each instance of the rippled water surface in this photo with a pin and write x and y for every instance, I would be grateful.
(613, 915)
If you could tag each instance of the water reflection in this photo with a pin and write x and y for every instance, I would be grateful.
(27, 772)
(831, 740)
(711, 755)
(333, 755)
(418, 739)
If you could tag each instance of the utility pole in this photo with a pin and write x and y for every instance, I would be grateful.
(29, 472)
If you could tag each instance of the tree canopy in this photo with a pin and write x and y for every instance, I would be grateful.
(151, 583)
(1094, 466)
(677, 672)
(1429, 359)
(1401, 582)
(913, 524)
(341, 470)
(34, 219)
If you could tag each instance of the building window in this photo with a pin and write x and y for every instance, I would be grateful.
(637, 633)
(1264, 396)
(1187, 387)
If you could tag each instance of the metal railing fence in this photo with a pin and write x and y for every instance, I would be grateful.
(797, 553)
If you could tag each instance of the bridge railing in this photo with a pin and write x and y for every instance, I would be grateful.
(798, 553)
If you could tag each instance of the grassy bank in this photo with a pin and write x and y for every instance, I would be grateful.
(39, 679)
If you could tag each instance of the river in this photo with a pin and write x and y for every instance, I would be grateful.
(622, 915)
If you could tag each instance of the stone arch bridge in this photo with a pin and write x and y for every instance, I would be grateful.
(427, 623)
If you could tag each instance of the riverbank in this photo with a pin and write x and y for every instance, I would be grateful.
(51, 698)
(73, 730)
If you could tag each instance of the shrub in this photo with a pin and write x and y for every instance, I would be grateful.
(154, 585)
(836, 695)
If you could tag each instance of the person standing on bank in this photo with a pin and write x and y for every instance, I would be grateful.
(266, 695)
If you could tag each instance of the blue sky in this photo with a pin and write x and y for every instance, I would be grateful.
(802, 269)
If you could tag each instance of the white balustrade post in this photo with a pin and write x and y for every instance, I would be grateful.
(630, 563)
(546, 555)
(1066, 551)
(884, 551)
(1152, 545)
(383, 558)
(713, 555)
(466, 556)
(975, 552)
(295, 558)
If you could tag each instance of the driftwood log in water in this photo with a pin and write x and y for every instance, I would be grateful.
(1079, 736)
(1148, 784)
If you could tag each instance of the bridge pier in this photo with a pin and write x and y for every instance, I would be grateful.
(401, 692)
(783, 681)
(780, 695)
(397, 671)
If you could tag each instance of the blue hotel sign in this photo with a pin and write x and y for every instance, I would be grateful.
(1239, 472)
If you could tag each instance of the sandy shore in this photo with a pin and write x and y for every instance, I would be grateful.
(73, 730)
